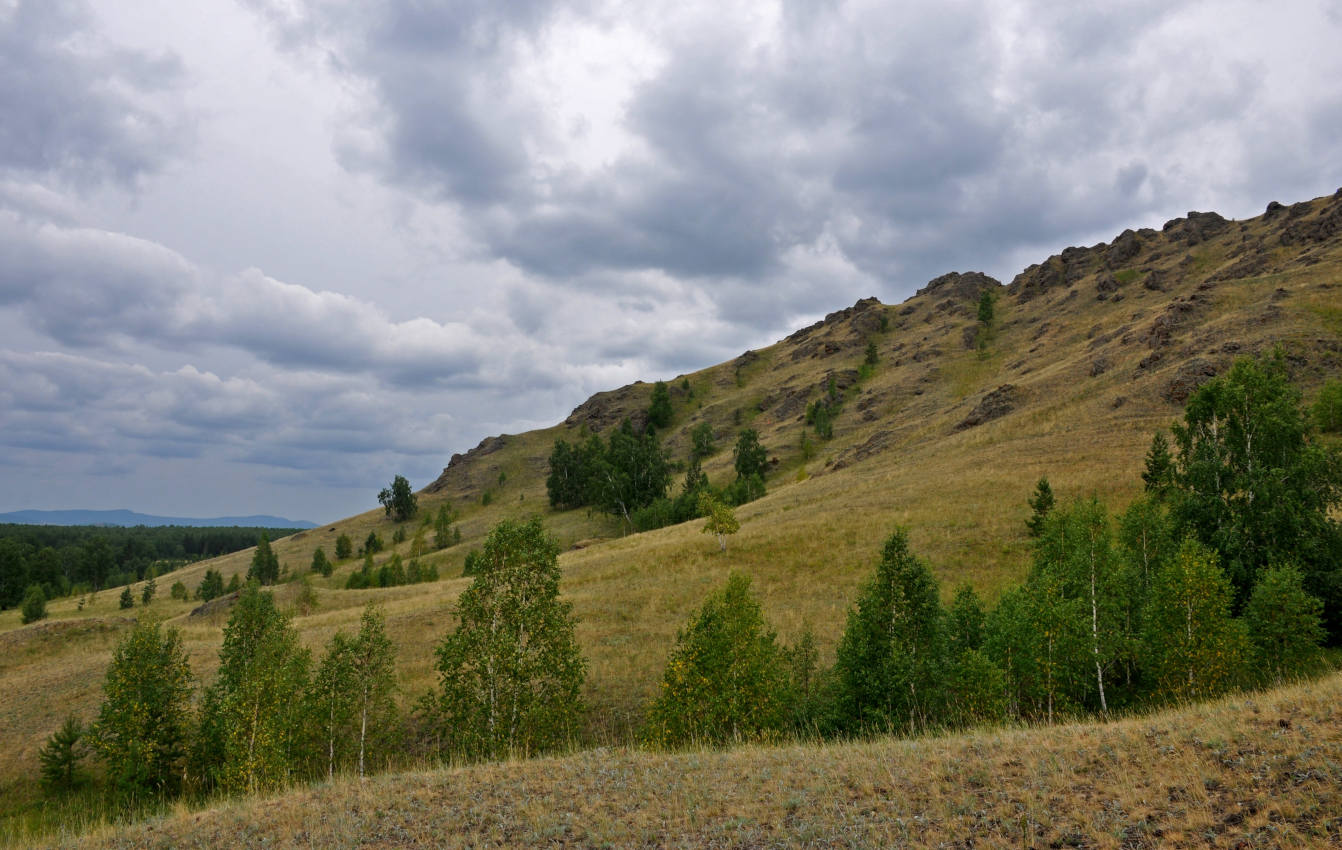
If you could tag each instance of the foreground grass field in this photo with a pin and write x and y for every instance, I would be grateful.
(1258, 770)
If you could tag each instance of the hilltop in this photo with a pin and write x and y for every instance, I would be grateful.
(1093, 350)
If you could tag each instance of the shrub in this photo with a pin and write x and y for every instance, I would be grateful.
(34, 604)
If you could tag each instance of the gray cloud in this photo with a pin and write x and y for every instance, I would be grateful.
(76, 108)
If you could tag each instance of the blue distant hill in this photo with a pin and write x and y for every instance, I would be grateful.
(131, 518)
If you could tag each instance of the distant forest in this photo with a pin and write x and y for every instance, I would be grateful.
(66, 559)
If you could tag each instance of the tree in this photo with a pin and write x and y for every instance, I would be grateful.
(635, 472)
(659, 409)
(965, 622)
(751, 462)
(701, 441)
(265, 568)
(399, 500)
(178, 591)
(1194, 649)
(721, 518)
(1040, 504)
(211, 586)
(250, 724)
(1158, 475)
(352, 695)
(344, 548)
(985, 308)
(566, 484)
(1252, 484)
(890, 660)
(144, 724)
(127, 599)
(34, 604)
(726, 680)
(442, 526)
(1327, 409)
(511, 674)
(60, 756)
(1284, 624)
(872, 355)
(320, 564)
(149, 589)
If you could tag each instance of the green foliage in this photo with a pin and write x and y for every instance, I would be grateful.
(352, 698)
(820, 415)
(320, 564)
(634, 473)
(987, 302)
(701, 441)
(1158, 474)
(975, 690)
(398, 500)
(473, 565)
(659, 410)
(721, 518)
(748, 456)
(179, 592)
(1284, 625)
(872, 356)
(1251, 483)
(265, 567)
(726, 680)
(965, 622)
(511, 674)
(149, 589)
(60, 756)
(34, 604)
(144, 724)
(1041, 503)
(211, 586)
(372, 544)
(251, 730)
(127, 599)
(344, 548)
(890, 661)
(305, 601)
(1327, 409)
(1194, 648)
(442, 527)
(234, 584)
(398, 536)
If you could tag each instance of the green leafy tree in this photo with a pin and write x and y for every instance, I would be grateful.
(986, 311)
(265, 567)
(751, 461)
(1194, 648)
(344, 548)
(1041, 503)
(399, 500)
(144, 724)
(372, 544)
(251, 726)
(873, 355)
(965, 622)
(1327, 409)
(722, 519)
(511, 674)
(1284, 625)
(726, 680)
(975, 689)
(701, 441)
(659, 409)
(352, 697)
(1252, 484)
(890, 661)
(635, 473)
(330, 708)
(149, 589)
(34, 604)
(1158, 474)
(442, 527)
(127, 599)
(211, 586)
(60, 756)
(320, 564)
(178, 591)
(567, 483)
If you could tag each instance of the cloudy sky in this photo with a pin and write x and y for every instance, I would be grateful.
(261, 255)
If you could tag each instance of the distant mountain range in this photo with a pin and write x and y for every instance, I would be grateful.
(132, 518)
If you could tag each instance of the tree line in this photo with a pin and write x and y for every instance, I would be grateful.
(65, 560)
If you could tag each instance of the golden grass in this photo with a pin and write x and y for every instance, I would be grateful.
(1259, 770)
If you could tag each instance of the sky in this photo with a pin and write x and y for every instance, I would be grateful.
(260, 256)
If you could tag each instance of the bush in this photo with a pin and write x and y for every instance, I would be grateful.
(211, 586)
(726, 680)
(60, 757)
(34, 604)
(127, 599)
(1327, 410)
(344, 548)
(179, 591)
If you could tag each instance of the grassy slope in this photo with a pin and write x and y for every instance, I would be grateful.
(809, 542)
(1263, 770)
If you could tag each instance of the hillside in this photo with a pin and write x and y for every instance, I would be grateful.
(1263, 770)
(1094, 349)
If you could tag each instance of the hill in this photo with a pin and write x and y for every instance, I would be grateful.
(1093, 350)
(133, 518)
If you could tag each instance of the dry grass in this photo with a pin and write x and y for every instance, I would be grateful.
(1263, 770)
(809, 543)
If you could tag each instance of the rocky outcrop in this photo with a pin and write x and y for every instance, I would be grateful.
(994, 405)
(1187, 379)
(967, 286)
(1311, 230)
